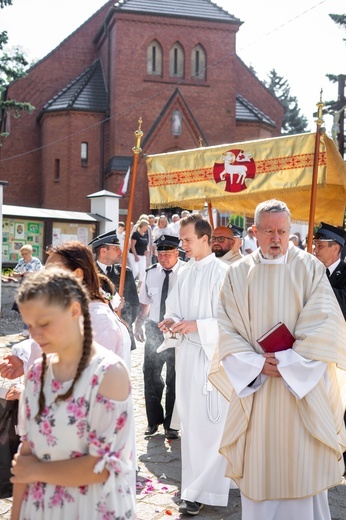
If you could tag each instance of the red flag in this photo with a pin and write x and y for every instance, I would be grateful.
(125, 183)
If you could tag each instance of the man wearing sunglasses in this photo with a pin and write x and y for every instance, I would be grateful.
(223, 244)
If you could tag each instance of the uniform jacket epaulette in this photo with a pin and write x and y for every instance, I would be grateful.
(152, 266)
(117, 267)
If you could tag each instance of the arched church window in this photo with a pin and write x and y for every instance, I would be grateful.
(198, 62)
(176, 61)
(154, 58)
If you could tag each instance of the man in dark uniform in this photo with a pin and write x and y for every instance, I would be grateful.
(108, 251)
(328, 244)
(158, 282)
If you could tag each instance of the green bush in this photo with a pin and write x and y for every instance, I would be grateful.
(7, 271)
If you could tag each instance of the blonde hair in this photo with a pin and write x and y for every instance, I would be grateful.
(142, 223)
(26, 247)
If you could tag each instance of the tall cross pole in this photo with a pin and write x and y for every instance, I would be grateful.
(319, 132)
(136, 151)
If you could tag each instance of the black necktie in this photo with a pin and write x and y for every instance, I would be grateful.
(108, 270)
(164, 293)
(328, 272)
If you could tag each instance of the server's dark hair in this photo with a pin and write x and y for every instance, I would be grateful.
(58, 287)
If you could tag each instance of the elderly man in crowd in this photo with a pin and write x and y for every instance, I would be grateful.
(27, 265)
(249, 243)
(284, 434)
(295, 240)
(175, 224)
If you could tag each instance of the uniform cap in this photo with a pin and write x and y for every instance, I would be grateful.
(237, 230)
(329, 233)
(107, 239)
(166, 242)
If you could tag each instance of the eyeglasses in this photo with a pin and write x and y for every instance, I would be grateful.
(220, 239)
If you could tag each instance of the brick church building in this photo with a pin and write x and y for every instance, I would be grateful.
(173, 63)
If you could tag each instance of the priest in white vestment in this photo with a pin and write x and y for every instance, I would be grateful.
(284, 435)
(191, 311)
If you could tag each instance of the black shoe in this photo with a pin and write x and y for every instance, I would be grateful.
(190, 508)
(151, 430)
(171, 434)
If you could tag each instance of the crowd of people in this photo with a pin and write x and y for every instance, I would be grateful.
(270, 422)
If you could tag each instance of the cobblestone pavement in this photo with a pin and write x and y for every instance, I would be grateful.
(159, 465)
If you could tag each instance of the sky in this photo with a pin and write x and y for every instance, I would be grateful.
(297, 38)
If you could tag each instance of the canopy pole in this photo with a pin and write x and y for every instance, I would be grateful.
(319, 132)
(210, 214)
(136, 151)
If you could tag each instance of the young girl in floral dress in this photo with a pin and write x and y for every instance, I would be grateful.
(75, 460)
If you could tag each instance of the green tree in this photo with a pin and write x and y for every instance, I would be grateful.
(12, 64)
(337, 107)
(339, 19)
(293, 121)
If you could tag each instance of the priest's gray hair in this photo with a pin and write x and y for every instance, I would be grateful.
(270, 206)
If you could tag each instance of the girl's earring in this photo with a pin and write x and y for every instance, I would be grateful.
(81, 324)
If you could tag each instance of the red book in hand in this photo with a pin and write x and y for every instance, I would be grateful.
(276, 339)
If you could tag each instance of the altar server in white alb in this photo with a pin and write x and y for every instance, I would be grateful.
(191, 310)
(284, 434)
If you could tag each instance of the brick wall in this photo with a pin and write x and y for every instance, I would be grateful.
(76, 180)
(21, 153)
(208, 108)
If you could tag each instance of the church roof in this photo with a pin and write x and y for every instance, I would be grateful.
(198, 9)
(246, 111)
(87, 93)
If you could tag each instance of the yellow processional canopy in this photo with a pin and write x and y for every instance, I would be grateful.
(236, 177)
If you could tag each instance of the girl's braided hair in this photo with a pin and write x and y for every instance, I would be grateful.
(58, 287)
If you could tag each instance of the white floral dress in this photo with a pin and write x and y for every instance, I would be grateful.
(86, 423)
